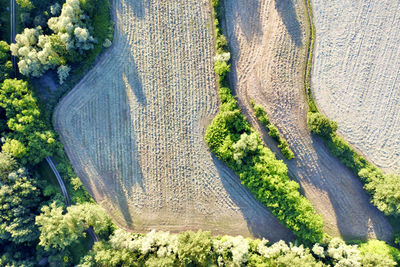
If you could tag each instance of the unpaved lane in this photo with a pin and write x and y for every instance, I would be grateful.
(268, 38)
(133, 127)
(356, 74)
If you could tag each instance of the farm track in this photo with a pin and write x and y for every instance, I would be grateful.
(268, 42)
(356, 74)
(133, 127)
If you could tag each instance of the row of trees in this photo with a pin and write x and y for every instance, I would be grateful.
(235, 142)
(201, 249)
(383, 188)
(262, 117)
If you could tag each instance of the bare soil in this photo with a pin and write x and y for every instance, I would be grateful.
(133, 127)
(356, 74)
(268, 40)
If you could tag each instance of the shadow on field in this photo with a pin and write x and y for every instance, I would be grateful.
(260, 221)
(287, 12)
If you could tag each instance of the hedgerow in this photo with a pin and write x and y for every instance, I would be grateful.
(383, 188)
(235, 142)
(262, 116)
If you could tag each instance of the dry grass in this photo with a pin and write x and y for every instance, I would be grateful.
(133, 127)
(268, 40)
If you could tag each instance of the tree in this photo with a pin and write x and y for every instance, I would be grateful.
(19, 202)
(320, 124)
(5, 63)
(7, 165)
(195, 248)
(386, 192)
(27, 138)
(59, 231)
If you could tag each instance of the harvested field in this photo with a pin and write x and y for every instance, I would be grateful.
(356, 74)
(268, 42)
(133, 127)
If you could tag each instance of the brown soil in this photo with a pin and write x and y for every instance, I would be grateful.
(268, 40)
(133, 127)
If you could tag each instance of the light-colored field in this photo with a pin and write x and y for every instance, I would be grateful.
(268, 41)
(356, 74)
(133, 127)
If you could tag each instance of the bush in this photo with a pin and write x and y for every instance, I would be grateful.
(262, 116)
(320, 124)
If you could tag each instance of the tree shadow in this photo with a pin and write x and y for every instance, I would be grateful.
(287, 12)
(260, 221)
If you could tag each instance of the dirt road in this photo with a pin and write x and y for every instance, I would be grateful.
(268, 40)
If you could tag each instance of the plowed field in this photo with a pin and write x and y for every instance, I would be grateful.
(133, 127)
(356, 74)
(268, 41)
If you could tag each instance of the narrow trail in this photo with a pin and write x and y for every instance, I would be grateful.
(64, 191)
(268, 40)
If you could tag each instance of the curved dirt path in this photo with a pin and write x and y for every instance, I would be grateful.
(133, 127)
(267, 39)
(356, 74)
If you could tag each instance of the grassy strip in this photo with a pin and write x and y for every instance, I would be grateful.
(262, 116)
(384, 189)
(235, 142)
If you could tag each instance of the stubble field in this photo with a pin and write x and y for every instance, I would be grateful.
(356, 74)
(133, 127)
(268, 41)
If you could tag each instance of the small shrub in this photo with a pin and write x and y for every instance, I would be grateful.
(320, 124)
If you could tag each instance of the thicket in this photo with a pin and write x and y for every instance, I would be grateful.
(26, 136)
(383, 188)
(200, 249)
(262, 116)
(70, 35)
(233, 140)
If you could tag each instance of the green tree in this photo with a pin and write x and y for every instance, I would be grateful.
(320, 124)
(194, 249)
(28, 138)
(19, 202)
(59, 231)
(7, 165)
(5, 63)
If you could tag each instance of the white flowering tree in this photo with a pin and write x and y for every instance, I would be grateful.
(38, 52)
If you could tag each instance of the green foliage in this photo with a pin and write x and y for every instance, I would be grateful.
(378, 253)
(194, 249)
(25, 4)
(7, 165)
(262, 116)
(233, 140)
(221, 68)
(27, 138)
(383, 188)
(5, 63)
(200, 249)
(19, 202)
(320, 124)
(59, 231)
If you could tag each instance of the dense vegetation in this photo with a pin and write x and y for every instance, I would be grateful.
(262, 116)
(233, 140)
(71, 35)
(26, 235)
(383, 188)
(200, 249)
